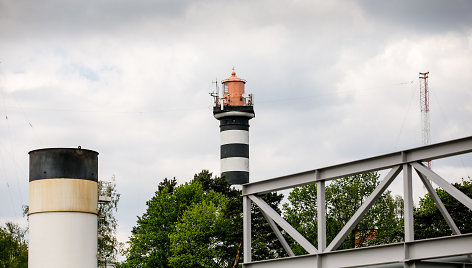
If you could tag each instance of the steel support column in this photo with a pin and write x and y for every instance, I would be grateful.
(408, 202)
(321, 208)
(247, 229)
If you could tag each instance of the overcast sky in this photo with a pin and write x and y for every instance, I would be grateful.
(333, 81)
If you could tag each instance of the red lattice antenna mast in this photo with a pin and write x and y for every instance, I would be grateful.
(424, 102)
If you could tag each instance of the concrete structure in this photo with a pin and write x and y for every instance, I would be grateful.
(63, 208)
(234, 111)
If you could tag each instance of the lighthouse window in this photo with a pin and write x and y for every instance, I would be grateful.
(225, 88)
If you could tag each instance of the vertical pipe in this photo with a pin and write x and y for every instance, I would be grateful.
(63, 208)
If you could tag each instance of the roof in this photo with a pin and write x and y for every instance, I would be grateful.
(233, 78)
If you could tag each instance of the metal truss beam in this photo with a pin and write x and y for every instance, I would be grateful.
(380, 255)
(439, 204)
(279, 235)
(270, 212)
(420, 154)
(446, 186)
(369, 202)
(410, 253)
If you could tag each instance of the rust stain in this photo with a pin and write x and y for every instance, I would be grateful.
(74, 195)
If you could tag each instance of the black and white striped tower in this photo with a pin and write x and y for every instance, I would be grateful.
(234, 111)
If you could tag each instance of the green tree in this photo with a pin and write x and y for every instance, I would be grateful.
(108, 245)
(381, 224)
(196, 240)
(196, 224)
(13, 246)
(231, 240)
(429, 222)
(265, 244)
(150, 244)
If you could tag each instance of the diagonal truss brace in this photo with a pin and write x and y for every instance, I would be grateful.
(439, 204)
(279, 235)
(271, 213)
(446, 186)
(357, 217)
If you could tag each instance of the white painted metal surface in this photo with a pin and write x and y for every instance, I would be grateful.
(234, 136)
(235, 164)
(320, 204)
(247, 244)
(234, 113)
(62, 239)
(408, 203)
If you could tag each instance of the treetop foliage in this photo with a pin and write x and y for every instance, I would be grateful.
(13, 246)
(195, 224)
(430, 223)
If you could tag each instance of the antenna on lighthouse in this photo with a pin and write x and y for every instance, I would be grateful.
(216, 94)
(424, 104)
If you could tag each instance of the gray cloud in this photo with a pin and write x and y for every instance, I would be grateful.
(332, 83)
(421, 16)
(71, 18)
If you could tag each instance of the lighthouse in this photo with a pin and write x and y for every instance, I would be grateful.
(234, 110)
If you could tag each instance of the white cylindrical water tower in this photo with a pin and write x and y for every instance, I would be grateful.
(63, 208)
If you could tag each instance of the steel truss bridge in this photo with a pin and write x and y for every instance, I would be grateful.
(450, 251)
